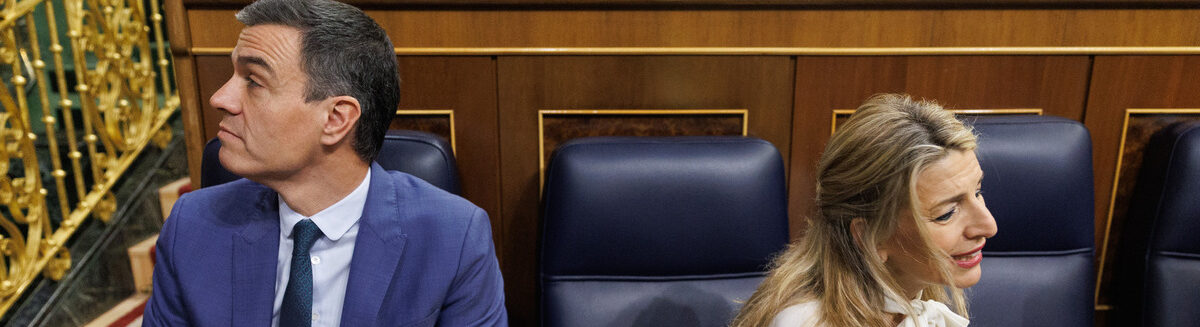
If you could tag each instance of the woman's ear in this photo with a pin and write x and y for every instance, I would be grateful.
(857, 226)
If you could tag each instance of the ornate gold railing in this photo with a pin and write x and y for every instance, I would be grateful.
(89, 112)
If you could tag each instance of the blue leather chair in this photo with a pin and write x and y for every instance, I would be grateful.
(211, 171)
(420, 154)
(1158, 269)
(658, 231)
(1037, 270)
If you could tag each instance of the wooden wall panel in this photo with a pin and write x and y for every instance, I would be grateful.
(740, 27)
(1120, 83)
(557, 128)
(761, 85)
(1056, 84)
(212, 73)
(466, 85)
(191, 113)
(434, 123)
(179, 34)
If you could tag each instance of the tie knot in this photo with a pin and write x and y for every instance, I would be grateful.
(305, 233)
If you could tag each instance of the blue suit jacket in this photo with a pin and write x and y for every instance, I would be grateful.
(423, 257)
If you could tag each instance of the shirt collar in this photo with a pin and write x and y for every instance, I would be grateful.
(335, 220)
(927, 313)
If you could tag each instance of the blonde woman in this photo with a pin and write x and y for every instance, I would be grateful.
(899, 231)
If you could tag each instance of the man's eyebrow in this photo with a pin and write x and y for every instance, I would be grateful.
(251, 60)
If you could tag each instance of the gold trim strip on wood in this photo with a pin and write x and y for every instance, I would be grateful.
(1112, 201)
(779, 51)
(833, 118)
(1015, 111)
(644, 112)
(449, 113)
(542, 135)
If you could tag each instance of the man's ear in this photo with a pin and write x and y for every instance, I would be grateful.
(343, 113)
(857, 226)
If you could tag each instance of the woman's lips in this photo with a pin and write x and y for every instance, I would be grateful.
(969, 259)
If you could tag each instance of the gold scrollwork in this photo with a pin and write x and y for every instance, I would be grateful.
(162, 138)
(58, 264)
(86, 104)
(105, 207)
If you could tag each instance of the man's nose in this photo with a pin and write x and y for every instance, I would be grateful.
(226, 98)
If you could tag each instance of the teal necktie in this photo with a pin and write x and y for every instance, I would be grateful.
(297, 298)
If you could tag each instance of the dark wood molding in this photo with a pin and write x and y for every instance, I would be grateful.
(756, 4)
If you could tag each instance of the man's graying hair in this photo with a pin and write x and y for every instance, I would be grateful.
(343, 52)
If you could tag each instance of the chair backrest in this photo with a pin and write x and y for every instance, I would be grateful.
(663, 231)
(1158, 276)
(1037, 270)
(211, 170)
(420, 154)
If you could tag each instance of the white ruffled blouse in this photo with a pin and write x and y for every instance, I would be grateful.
(929, 313)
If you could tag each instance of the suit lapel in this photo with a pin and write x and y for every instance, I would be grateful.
(377, 253)
(255, 256)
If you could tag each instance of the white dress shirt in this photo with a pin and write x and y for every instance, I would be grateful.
(330, 254)
(929, 313)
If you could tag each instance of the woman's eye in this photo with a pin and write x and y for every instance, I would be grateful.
(945, 216)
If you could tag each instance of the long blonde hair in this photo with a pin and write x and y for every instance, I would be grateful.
(869, 171)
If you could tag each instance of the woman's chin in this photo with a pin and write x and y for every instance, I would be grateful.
(964, 278)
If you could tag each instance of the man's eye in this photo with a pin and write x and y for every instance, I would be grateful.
(946, 216)
(979, 193)
(251, 83)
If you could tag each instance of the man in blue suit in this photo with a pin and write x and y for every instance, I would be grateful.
(317, 234)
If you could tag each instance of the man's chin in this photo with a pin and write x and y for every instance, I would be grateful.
(235, 165)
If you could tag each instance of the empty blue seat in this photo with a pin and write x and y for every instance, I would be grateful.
(658, 231)
(1037, 270)
(1157, 275)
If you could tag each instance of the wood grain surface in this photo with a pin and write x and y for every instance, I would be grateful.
(758, 28)
(1120, 83)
